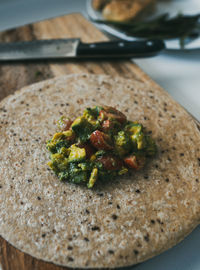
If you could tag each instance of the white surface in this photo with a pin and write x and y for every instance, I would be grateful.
(178, 74)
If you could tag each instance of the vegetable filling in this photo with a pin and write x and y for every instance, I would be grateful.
(98, 146)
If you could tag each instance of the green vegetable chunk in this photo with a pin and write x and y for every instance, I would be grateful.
(83, 128)
(136, 133)
(122, 143)
(76, 154)
(58, 162)
(93, 177)
(97, 146)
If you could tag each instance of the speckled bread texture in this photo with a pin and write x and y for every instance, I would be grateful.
(121, 223)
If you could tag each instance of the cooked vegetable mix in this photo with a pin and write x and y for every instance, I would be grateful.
(98, 145)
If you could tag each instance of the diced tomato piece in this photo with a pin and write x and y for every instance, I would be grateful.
(107, 125)
(100, 140)
(88, 149)
(68, 125)
(112, 113)
(110, 162)
(65, 124)
(134, 162)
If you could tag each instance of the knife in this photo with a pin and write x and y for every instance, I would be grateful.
(75, 49)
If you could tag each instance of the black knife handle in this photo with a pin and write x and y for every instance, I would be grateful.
(120, 49)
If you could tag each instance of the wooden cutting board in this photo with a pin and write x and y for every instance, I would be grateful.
(14, 76)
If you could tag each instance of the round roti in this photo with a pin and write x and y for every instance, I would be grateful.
(120, 223)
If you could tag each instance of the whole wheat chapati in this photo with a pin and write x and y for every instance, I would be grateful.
(122, 223)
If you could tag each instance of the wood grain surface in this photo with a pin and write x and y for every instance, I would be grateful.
(14, 76)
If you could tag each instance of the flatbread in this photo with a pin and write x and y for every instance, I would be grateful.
(124, 222)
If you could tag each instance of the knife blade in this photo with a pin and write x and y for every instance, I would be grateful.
(75, 49)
